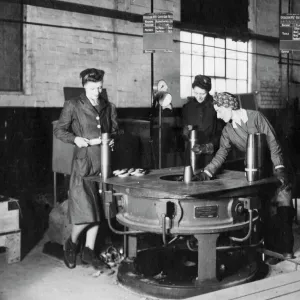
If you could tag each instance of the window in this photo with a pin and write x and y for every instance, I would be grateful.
(11, 46)
(225, 61)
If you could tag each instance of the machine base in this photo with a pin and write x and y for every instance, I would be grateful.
(177, 278)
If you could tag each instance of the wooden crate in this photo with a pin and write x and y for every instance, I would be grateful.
(10, 233)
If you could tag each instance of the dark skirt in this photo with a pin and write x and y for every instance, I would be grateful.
(84, 199)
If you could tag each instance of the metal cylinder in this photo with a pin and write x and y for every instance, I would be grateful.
(255, 152)
(187, 174)
(105, 156)
(193, 140)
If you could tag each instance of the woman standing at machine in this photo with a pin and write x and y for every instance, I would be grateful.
(240, 123)
(88, 116)
(199, 114)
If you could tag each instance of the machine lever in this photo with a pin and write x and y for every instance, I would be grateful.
(249, 231)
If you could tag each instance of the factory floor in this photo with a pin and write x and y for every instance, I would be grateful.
(43, 277)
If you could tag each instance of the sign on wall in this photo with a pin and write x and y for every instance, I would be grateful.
(157, 32)
(289, 33)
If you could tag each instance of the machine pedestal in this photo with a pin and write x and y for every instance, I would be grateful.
(173, 273)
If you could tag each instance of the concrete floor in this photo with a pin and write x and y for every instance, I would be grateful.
(42, 277)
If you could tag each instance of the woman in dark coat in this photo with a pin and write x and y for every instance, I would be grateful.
(198, 113)
(240, 123)
(82, 121)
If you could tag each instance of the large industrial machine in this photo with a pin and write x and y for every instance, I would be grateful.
(184, 239)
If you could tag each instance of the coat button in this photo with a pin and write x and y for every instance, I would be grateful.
(98, 126)
(97, 118)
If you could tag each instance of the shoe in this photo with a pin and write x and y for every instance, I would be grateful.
(89, 257)
(272, 261)
(288, 255)
(70, 253)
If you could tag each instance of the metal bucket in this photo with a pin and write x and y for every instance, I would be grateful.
(255, 155)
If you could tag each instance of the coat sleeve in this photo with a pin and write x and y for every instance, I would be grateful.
(221, 155)
(62, 129)
(114, 120)
(265, 127)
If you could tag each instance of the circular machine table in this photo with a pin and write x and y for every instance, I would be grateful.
(207, 212)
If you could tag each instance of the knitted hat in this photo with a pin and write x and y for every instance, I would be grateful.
(227, 100)
(203, 82)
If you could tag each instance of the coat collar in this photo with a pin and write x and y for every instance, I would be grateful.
(206, 100)
(87, 104)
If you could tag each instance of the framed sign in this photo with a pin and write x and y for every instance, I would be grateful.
(157, 32)
(289, 33)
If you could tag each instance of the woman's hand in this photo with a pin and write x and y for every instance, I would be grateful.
(111, 144)
(81, 142)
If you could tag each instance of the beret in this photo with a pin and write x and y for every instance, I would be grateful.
(203, 82)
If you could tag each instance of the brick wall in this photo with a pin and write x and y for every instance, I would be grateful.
(55, 56)
(270, 76)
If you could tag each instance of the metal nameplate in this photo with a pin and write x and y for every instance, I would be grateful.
(207, 211)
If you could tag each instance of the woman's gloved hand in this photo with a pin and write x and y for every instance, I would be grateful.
(202, 176)
(282, 176)
(203, 148)
(81, 142)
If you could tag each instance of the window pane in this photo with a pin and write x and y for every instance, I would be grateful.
(231, 68)
(213, 86)
(185, 36)
(230, 54)
(242, 69)
(197, 65)
(185, 48)
(197, 38)
(219, 52)
(242, 46)
(209, 51)
(220, 85)
(197, 49)
(220, 67)
(230, 44)
(209, 66)
(209, 41)
(185, 86)
(242, 55)
(231, 86)
(220, 43)
(241, 86)
(185, 64)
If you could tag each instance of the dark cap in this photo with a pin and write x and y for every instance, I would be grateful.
(203, 82)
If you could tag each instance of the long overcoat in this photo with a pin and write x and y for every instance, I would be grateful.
(79, 118)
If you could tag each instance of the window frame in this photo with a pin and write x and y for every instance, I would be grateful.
(188, 78)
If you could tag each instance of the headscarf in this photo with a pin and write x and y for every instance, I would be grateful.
(227, 100)
(203, 82)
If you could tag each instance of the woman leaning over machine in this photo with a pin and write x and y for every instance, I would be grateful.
(240, 123)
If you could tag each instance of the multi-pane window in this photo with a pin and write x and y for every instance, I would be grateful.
(224, 60)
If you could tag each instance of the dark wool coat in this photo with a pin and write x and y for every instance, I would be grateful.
(204, 117)
(80, 119)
